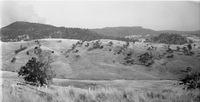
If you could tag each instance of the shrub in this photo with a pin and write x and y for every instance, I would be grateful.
(128, 57)
(146, 59)
(27, 52)
(20, 49)
(87, 45)
(191, 81)
(110, 43)
(170, 56)
(13, 60)
(96, 45)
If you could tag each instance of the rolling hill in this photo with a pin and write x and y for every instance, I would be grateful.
(103, 62)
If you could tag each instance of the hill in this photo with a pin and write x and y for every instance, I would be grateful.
(101, 59)
(137, 30)
(26, 31)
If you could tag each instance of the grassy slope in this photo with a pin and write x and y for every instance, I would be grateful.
(106, 91)
(98, 64)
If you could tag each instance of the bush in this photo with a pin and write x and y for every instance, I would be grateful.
(170, 56)
(96, 45)
(19, 50)
(146, 59)
(191, 81)
(13, 60)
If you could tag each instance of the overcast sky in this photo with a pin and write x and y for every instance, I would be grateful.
(157, 15)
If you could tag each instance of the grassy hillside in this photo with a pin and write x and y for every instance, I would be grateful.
(104, 60)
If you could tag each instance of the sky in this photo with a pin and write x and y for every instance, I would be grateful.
(156, 15)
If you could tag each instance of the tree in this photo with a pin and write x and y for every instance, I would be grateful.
(191, 81)
(189, 47)
(38, 70)
(32, 72)
(146, 59)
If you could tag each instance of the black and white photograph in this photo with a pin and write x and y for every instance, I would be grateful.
(99, 51)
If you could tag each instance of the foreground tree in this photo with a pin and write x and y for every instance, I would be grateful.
(32, 72)
(38, 70)
(191, 81)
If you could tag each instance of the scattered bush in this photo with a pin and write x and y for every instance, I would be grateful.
(110, 43)
(187, 51)
(169, 50)
(75, 51)
(87, 45)
(118, 50)
(79, 43)
(178, 48)
(126, 45)
(95, 45)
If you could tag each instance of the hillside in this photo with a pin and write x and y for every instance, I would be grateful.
(137, 30)
(26, 31)
(103, 59)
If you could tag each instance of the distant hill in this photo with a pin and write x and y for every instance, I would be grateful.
(18, 31)
(26, 31)
(137, 30)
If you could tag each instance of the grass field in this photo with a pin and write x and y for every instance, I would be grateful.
(66, 90)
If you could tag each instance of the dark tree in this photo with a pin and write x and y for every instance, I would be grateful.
(38, 70)
(13, 60)
(189, 46)
(178, 48)
(32, 71)
(191, 81)
(146, 59)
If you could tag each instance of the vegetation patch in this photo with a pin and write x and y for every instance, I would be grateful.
(191, 81)
(170, 39)
(146, 59)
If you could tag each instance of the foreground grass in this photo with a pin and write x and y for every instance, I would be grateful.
(106, 94)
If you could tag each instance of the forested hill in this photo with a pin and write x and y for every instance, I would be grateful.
(137, 30)
(18, 31)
